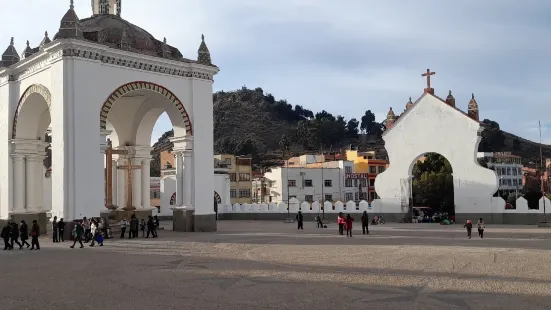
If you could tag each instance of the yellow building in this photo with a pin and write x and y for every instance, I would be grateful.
(366, 168)
(241, 170)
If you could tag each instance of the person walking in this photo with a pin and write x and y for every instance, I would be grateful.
(469, 226)
(365, 223)
(319, 222)
(35, 233)
(93, 231)
(151, 227)
(349, 220)
(87, 230)
(24, 233)
(157, 225)
(341, 221)
(480, 225)
(61, 230)
(55, 230)
(6, 231)
(300, 220)
(79, 231)
(133, 233)
(124, 223)
(14, 237)
(142, 227)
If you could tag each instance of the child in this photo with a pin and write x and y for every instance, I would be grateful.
(142, 227)
(348, 222)
(480, 225)
(469, 227)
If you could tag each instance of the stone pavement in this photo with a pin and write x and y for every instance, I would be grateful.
(271, 265)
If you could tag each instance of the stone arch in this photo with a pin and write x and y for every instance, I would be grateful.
(138, 85)
(217, 198)
(33, 89)
(173, 199)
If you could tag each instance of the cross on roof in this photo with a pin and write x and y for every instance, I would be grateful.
(428, 74)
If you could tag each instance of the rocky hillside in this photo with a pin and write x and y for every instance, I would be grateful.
(251, 122)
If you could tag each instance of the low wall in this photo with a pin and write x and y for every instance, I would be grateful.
(310, 217)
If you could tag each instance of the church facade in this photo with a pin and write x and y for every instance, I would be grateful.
(100, 84)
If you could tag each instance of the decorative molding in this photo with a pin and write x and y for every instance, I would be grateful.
(217, 198)
(35, 67)
(126, 88)
(33, 89)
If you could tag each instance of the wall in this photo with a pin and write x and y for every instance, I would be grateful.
(168, 188)
(412, 135)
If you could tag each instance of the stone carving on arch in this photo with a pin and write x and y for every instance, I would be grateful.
(126, 88)
(33, 89)
(217, 198)
(173, 199)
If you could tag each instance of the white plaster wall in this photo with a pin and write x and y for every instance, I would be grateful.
(221, 187)
(168, 188)
(449, 133)
(47, 191)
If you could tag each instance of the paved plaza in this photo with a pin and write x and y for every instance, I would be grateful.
(271, 265)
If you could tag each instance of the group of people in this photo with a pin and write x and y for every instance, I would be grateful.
(480, 226)
(135, 225)
(345, 223)
(12, 233)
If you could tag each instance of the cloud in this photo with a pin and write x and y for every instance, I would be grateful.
(348, 57)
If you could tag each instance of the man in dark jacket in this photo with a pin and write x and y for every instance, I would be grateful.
(365, 223)
(35, 233)
(300, 220)
(150, 227)
(61, 230)
(24, 234)
(133, 233)
(55, 229)
(6, 231)
(79, 231)
(14, 237)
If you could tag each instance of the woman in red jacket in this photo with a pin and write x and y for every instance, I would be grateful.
(341, 221)
(349, 221)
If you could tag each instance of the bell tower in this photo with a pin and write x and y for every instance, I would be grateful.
(113, 7)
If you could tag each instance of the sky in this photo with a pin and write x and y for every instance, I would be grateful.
(350, 56)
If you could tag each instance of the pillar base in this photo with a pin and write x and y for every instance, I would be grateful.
(205, 223)
(29, 217)
(182, 219)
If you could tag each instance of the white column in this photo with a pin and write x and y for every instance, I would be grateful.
(114, 175)
(136, 185)
(179, 178)
(121, 184)
(188, 169)
(19, 183)
(40, 183)
(102, 147)
(146, 183)
(30, 178)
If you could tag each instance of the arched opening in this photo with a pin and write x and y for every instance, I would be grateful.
(432, 191)
(32, 154)
(217, 202)
(133, 113)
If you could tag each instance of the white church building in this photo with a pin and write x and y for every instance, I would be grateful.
(102, 78)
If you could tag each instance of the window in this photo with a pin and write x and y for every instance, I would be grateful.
(363, 182)
(309, 198)
(503, 171)
(371, 182)
(291, 183)
(233, 193)
(328, 183)
(328, 197)
(227, 161)
(514, 171)
(373, 195)
(508, 171)
(381, 169)
(244, 177)
(245, 193)
(372, 169)
(356, 183)
(308, 183)
(515, 181)
(356, 196)
(232, 177)
(348, 169)
(348, 183)
(348, 196)
(509, 182)
(519, 171)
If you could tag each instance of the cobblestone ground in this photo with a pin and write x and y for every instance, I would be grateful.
(271, 265)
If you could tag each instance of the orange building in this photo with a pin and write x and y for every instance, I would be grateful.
(366, 163)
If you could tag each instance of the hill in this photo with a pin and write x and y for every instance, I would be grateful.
(251, 122)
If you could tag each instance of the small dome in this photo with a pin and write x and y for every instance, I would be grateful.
(409, 104)
(473, 103)
(450, 100)
(450, 96)
(390, 113)
(10, 56)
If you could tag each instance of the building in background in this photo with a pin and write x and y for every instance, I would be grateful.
(365, 170)
(508, 168)
(309, 178)
(155, 192)
(240, 173)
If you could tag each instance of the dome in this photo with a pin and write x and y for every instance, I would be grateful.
(409, 104)
(472, 103)
(110, 30)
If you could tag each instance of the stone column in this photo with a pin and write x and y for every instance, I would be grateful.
(19, 183)
(146, 183)
(121, 183)
(114, 182)
(40, 175)
(179, 178)
(30, 178)
(102, 147)
(136, 184)
(188, 168)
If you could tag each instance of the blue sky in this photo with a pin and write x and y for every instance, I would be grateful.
(351, 55)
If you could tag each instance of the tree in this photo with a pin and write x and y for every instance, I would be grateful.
(284, 143)
(433, 183)
(368, 120)
(352, 129)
